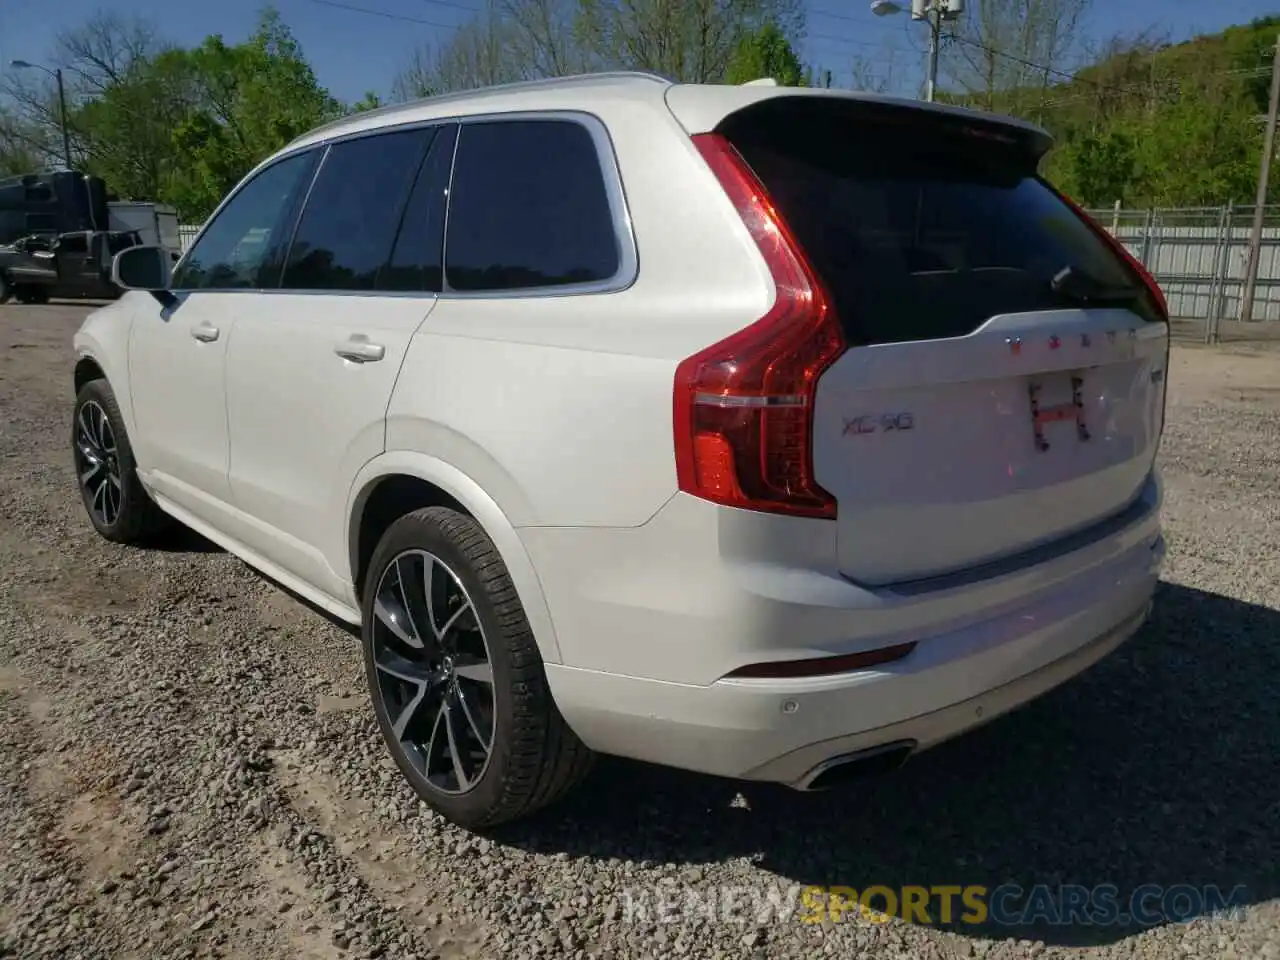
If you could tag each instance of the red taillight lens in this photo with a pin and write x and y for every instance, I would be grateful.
(744, 406)
(1134, 263)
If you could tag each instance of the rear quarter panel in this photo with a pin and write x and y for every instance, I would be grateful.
(560, 406)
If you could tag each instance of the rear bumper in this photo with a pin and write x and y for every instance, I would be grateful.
(759, 730)
(981, 650)
(800, 767)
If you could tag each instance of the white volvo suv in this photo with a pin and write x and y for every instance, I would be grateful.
(765, 432)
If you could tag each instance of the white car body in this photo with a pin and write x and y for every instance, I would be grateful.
(1004, 568)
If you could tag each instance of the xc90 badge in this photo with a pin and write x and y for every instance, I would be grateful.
(878, 423)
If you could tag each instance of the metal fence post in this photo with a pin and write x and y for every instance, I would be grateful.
(1223, 268)
(1147, 221)
(1115, 218)
(1217, 281)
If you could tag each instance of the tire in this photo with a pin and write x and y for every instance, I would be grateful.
(5, 288)
(31, 294)
(106, 473)
(533, 758)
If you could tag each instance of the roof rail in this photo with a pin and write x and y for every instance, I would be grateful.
(491, 90)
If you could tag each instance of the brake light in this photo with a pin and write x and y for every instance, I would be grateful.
(743, 407)
(1134, 263)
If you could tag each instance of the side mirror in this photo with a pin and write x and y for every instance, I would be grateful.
(142, 268)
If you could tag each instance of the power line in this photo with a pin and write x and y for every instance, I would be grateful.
(1022, 60)
(384, 14)
(1101, 85)
(452, 3)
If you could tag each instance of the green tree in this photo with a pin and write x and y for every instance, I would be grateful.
(766, 53)
(159, 122)
(252, 99)
(370, 101)
(1097, 169)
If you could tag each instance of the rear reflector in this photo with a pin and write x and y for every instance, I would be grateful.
(823, 666)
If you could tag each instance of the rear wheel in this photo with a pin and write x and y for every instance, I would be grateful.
(458, 685)
(118, 506)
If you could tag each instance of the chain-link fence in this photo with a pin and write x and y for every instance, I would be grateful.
(1200, 257)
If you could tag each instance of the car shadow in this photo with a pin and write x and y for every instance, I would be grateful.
(180, 538)
(1157, 767)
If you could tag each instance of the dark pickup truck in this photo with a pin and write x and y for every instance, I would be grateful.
(69, 266)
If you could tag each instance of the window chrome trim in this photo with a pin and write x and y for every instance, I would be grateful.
(615, 192)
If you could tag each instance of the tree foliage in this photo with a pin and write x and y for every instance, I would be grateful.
(159, 122)
(250, 100)
(766, 53)
(687, 40)
(1158, 124)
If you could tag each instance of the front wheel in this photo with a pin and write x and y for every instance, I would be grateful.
(118, 506)
(458, 686)
(32, 294)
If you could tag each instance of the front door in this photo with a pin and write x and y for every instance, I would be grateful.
(311, 368)
(177, 353)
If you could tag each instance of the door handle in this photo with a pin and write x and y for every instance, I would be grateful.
(205, 333)
(360, 349)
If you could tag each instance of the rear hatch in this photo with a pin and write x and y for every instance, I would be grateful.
(1004, 385)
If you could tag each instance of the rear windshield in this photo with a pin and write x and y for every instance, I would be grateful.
(921, 230)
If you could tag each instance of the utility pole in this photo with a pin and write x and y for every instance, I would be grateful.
(1264, 175)
(62, 106)
(934, 13)
(62, 103)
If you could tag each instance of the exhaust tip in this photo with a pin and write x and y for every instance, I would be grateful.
(872, 762)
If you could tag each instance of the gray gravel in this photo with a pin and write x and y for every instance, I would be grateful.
(188, 766)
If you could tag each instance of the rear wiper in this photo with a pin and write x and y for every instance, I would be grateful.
(1076, 284)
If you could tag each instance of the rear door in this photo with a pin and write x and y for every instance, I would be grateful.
(982, 409)
(311, 366)
(79, 271)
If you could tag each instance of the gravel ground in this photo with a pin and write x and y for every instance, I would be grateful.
(188, 766)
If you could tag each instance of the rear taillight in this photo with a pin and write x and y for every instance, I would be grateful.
(1136, 265)
(744, 406)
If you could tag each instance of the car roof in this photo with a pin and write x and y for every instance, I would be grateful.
(699, 107)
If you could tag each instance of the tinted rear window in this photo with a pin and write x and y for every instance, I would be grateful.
(920, 231)
(528, 208)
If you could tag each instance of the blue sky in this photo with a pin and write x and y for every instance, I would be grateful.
(354, 51)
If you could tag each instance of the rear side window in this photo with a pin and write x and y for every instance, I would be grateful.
(353, 211)
(528, 208)
(919, 232)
